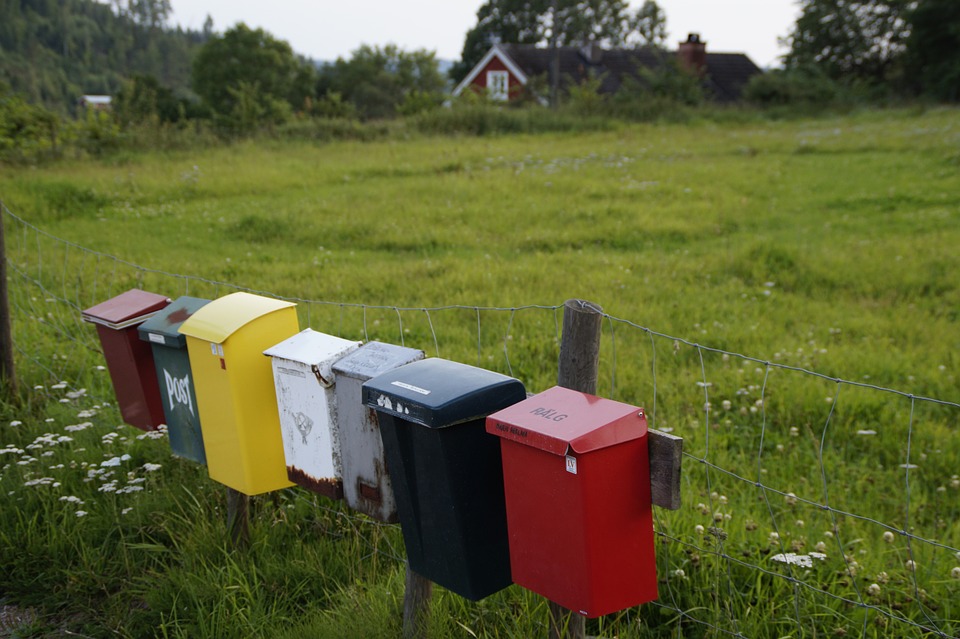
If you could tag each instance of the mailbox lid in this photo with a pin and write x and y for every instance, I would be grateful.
(437, 393)
(224, 316)
(315, 350)
(127, 309)
(559, 419)
(163, 327)
(375, 358)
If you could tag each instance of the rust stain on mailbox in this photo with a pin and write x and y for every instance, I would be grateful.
(332, 488)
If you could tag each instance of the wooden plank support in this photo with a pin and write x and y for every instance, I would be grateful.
(666, 453)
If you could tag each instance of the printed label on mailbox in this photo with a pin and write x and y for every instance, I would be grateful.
(156, 338)
(571, 464)
(411, 387)
(178, 391)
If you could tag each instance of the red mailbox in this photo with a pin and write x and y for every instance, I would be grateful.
(577, 482)
(129, 359)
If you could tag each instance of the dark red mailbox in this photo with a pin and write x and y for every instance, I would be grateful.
(129, 359)
(577, 482)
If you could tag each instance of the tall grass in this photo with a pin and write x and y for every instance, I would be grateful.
(753, 250)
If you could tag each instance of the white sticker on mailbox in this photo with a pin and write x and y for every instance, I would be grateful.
(571, 464)
(220, 350)
(411, 387)
(156, 338)
(213, 348)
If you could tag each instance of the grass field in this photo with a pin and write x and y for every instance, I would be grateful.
(735, 260)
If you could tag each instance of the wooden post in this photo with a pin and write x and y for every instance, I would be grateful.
(238, 519)
(416, 605)
(578, 370)
(8, 373)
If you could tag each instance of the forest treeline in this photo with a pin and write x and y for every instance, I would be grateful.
(54, 51)
(172, 86)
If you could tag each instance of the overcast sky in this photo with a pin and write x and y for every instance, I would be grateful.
(326, 29)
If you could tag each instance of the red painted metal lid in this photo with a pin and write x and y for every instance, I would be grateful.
(126, 309)
(559, 419)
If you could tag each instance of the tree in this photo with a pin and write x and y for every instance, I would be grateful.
(558, 22)
(933, 48)
(382, 82)
(851, 40)
(246, 71)
(649, 25)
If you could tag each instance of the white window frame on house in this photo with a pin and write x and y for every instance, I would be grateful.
(498, 85)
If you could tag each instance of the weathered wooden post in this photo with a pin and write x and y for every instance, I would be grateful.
(579, 368)
(416, 605)
(238, 519)
(8, 374)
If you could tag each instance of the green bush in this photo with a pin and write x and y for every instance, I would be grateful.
(28, 133)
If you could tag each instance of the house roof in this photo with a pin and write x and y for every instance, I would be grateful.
(725, 76)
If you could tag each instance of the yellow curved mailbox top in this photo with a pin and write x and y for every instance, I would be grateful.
(221, 318)
(235, 391)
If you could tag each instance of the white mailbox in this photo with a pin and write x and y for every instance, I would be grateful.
(366, 483)
(304, 383)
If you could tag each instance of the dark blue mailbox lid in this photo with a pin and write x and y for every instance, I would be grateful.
(437, 393)
(163, 328)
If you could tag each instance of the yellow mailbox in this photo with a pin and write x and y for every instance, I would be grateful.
(235, 391)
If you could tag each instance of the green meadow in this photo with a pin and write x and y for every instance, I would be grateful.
(783, 294)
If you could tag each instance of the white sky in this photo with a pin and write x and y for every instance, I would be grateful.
(326, 29)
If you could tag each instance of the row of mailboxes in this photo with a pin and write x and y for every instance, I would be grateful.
(490, 487)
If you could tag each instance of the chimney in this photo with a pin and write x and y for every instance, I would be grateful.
(692, 54)
(591, 52)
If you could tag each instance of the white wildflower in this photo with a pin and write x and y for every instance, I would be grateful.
(698, 529)
(791, 499)
(151, 467)
(882, 577)
(793, 559)
(866, 432)
(888, 536)
(81, 513)
(910, 565)
(821, 547)
(726, 404)
(873, 590)
(16, 422)
(794, 431)
(126, 510)
(679, 574)
(955, 572)
(774, 537)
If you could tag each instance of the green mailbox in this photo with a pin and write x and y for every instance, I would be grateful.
(174, 376)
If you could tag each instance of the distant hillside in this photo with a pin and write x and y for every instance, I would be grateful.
(54, 51)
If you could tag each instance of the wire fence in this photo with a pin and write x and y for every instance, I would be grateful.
(819, 504)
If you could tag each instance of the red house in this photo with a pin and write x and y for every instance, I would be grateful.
(506, 69)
